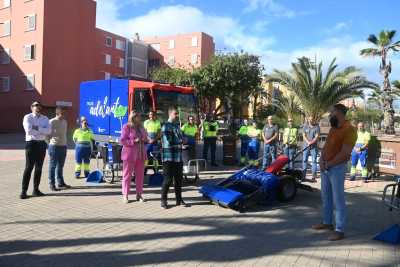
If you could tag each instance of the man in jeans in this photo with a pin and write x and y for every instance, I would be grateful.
(57, 150)
(270, 136)
(335, 154)
(36, 128)
(311, 133)
(172, 140)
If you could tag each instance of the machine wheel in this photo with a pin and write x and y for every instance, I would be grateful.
(287, 189)
(191, 180)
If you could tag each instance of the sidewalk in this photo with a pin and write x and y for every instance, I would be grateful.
(90, 226)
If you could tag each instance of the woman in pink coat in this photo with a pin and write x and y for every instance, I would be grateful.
(133, 138)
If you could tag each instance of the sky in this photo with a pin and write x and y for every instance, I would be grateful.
(279, 31)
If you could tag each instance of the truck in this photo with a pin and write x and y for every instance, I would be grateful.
(107, 103)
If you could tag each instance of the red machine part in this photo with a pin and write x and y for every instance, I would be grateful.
(278, 164)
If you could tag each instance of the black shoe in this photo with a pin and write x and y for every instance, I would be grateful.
(64, 186)
(182, 203)
(23, 195)
(164, 205)
(53, 188)
(37, 193)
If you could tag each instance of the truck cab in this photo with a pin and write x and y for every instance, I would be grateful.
(107, 103)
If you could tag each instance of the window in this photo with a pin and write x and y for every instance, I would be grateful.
(6, 29)
(29, 52)
(171, 44)
(30, 23)
(109, 41)
(171, 60)
(6, 3)
(30, 81)
(194, 59)
(107, 76)
(122, 63)
(4, 83)
(5, 56)
(108, 59)
(156, 46)
(120, 45)
(194, 41)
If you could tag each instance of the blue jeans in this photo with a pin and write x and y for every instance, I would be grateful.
(244, 143)
(57, 156)
(269, 155)
(332, 194)
(290, 151)
(314, 154)
(253, 149)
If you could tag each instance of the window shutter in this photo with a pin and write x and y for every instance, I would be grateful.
(194, 41)
(32, 22)
(5, 83)
(6, 3)
(30, 81)
(7, 28)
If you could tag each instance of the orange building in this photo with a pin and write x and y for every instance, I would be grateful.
(187, 51)
(47, 48)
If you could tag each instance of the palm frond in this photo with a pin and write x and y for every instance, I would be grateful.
(370, 52)
(373, 39)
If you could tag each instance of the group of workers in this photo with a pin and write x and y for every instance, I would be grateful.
(251, 137)
(42, 133)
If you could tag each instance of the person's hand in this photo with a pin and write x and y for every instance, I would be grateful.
(136, 140)
(358, 150)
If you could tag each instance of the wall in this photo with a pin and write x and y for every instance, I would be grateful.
(16, 103)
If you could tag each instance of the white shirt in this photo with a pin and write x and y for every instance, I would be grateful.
(41, 121)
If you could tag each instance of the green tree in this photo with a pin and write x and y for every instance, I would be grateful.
(379, 97)
(171, 75)
(231, 78)
(383, 46)
(288, 106)
(318, 91)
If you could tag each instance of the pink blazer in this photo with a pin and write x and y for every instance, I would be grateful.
(132, 151)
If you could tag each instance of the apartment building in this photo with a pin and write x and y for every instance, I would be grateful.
(187, 51)
(48, 47)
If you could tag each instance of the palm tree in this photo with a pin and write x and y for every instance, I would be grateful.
(383, 46)
(288, 105)
(317, 91)
(380, 97)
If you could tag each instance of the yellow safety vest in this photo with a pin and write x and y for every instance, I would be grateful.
(152, 126)
(210, 129)
(243, 130)
(83, 135)
(189, 130)
(363, 137)
(290, 136)
(253, 132)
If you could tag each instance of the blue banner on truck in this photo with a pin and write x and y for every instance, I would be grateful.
(103, 104)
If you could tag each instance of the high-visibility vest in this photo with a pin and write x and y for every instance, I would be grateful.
(152, 126)
(210, 129)
(83, 135)
(253, 132)
(290, 136)
(189, 130)
(243, 131)
(363, 137)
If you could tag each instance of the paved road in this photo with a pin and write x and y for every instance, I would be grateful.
(90, 226)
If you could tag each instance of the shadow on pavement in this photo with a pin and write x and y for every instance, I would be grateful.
(217, 239)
